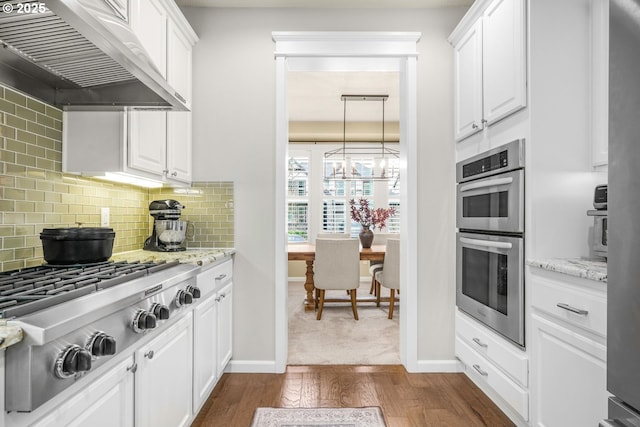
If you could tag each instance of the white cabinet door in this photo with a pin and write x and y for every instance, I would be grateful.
(205, 368)
(503, 59)
(163, 387)
(468, 83)
(148, 141)
(107, 402)
(600, 83)
(179, 63)
(149, 22)
(225, 326)
(569, 376)
(179, 146)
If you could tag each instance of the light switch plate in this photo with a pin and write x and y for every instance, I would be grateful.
(104, 217)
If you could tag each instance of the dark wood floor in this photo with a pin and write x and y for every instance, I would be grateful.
(420, 400)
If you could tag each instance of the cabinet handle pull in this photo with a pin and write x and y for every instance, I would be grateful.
(218, 299)
(483, 121)
(480, 343)
(474, 126)
(567, 307)
(149, 354)
(133, 368)
(174, 173)
(220, 277)
(480, 371)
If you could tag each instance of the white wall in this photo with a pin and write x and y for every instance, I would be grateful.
(234, 139)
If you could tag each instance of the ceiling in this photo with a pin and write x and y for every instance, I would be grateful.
(332, 4)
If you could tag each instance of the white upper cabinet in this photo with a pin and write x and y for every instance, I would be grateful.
(504, 59)
(148, 19)
(146, 142)
(468, 82)
(179, 153)
(490, 65)
(600, 83)
(179, 62)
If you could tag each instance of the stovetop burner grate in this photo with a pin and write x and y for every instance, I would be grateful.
(28, 290)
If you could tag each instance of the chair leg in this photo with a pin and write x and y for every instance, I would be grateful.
(373, 284)
(378, 292)
(321, 305)
(353, 303)
(392, 302)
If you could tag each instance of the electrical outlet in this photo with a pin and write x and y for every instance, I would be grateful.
(104, 217)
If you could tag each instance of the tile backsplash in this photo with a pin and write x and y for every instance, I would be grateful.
(36, 194)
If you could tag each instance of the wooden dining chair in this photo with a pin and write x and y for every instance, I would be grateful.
(337, 267)
(389, 276)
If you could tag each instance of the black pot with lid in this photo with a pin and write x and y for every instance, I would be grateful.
(77, 245)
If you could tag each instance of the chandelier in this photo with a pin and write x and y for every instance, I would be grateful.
(368, 162)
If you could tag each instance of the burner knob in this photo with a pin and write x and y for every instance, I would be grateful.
(102, 345)
(183, 298)
(143, 320)
(161, 311)
(73, 360)
(193, 290)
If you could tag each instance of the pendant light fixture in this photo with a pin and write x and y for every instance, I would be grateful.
(340, 164)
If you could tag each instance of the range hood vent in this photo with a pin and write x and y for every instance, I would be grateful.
(80, 55)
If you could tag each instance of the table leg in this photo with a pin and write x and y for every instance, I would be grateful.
(310, 301)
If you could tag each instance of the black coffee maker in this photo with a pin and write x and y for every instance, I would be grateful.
(169, 232)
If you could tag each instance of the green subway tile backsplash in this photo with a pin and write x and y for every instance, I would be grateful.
(36, 194)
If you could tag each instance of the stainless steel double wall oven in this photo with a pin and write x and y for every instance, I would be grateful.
(490, 239)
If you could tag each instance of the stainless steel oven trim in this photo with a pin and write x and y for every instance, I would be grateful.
(512, 182)
(511, 325)
(515, 160)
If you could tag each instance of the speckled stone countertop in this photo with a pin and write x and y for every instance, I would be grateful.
(9, 334)
(579, 267)
(190, 256)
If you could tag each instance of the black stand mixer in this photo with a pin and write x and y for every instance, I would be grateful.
(169, 232)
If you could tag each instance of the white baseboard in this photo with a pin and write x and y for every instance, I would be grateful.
(438, 366)
(270, 367)
(252, 367)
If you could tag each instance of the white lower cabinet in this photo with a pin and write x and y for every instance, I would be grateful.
(570, 376)
(568, 350)
(494, 364)
(212, 330)
(205, 368)
(225, 300)
(164, 378)
(106, 402)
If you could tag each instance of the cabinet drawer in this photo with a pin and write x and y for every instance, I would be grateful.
(581, 307)
(213, 278)
(510, 359)
(481, 370)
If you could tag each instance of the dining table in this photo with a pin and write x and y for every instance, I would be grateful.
(307, 252)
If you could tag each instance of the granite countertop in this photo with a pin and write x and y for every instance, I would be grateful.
(9, 334)
(190, 256)
(593, 269)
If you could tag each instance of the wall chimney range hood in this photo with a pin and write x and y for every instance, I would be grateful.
(80, 55)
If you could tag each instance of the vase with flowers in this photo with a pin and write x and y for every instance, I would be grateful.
(369, 218)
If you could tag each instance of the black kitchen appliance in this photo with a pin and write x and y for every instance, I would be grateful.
(169, 231)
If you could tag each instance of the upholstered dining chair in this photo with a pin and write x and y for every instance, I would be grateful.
(337, 267)
(332, 236)
(389, 276)
(375, 266)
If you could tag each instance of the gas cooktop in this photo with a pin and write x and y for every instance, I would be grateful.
(31, 289)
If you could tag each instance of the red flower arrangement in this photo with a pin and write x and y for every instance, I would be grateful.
(368, 217)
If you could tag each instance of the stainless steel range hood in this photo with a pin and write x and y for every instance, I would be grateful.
(80, 55)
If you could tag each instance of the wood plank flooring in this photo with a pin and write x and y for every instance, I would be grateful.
(407, 400)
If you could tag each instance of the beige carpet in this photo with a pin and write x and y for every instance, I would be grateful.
(338, 339)
(318, 417)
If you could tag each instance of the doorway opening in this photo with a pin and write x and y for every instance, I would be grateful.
(320, 125)
(355, 52)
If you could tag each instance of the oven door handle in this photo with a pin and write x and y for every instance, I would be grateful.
(486, 243)
(486, 183)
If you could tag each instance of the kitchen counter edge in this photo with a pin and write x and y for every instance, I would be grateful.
(9, 334)
(591, 269)
(190, 256)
